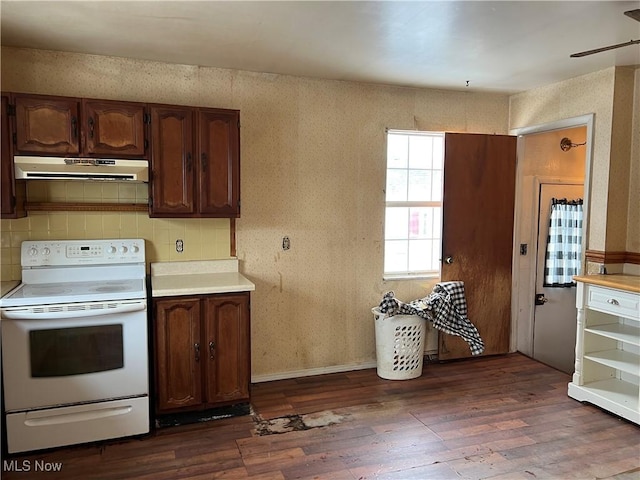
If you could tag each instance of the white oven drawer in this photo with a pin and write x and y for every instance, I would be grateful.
(614, 302)
(57, 427)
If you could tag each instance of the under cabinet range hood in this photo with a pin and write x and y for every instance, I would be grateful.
(57, 168)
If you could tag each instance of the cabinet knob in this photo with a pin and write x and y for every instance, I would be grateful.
(212, 350)
(613, 301)
(196, 347)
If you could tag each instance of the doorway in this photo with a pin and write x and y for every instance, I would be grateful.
(554, 321)
(542, 161)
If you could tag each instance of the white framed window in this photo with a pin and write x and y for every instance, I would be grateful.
(413, 197)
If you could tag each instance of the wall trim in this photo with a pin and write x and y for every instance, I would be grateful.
(308, 372)
(598, 256)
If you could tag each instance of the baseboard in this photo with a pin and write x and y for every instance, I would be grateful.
(312, 371)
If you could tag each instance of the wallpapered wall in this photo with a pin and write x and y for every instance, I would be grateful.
(610, 95)
(312, 168)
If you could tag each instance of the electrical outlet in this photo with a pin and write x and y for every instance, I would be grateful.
(179, 246)
(286, 243)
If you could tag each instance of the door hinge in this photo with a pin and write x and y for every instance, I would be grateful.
(13, 202)
(11, 110)
(146, 144)
(14, 137)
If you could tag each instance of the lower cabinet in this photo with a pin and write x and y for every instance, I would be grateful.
(202, 351)
(608, 350)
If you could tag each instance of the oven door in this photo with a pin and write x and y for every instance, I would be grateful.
(74, 353)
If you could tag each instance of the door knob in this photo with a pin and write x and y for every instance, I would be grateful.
(541, 299)
(448, 259)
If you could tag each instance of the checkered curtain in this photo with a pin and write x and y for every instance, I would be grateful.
(564, 243)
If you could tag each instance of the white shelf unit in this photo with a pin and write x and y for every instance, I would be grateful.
(607, 372)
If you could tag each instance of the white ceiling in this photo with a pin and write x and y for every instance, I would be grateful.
(497, 46)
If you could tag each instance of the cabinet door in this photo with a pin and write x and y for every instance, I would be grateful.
(179, 354)
(219, 162)
(114, 128)
(172, 162)
(228, 370)
(12, 195)
(47, 125)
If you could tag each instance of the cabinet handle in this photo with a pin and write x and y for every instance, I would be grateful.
(613, 301)
(196, 347)
(91, 123)
(189, 162)
(212, 349)
(203, 158)
(74, 127)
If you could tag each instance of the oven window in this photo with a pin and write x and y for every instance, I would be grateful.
(71, 351)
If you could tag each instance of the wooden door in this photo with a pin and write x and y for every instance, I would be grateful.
(172, 162)
(47, 125)
(179, 354)
(227, 336)
(12, 194)
(114, 128)
(477, 232)
(219, 160)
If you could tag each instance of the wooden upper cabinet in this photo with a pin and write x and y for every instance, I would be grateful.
(195, 158)
(12, 194)
(114, 128)
(219, 148)
(48, 125)
(172, 162)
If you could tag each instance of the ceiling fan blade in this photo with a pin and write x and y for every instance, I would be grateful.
(604, 49)
(635, 14)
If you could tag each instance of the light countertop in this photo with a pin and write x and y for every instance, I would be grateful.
(169, 279)
(629, 283)
(6, 287)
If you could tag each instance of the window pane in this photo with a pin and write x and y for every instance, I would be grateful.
(438, 152)
(420, 152)
(436, 192)
(396, 256)
(396, 185)
(421, 255)
(396, 223)
(397, 150)
(422, 222)
(420, 185)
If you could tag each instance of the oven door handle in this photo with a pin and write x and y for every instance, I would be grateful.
(73, 310)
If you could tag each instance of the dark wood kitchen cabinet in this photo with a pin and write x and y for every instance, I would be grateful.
(195, 162)
(202, 351)
(51, 125)
(12, 193)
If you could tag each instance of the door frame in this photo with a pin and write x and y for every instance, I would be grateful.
(522, 313)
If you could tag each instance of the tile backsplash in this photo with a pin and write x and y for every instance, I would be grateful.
(202, 238)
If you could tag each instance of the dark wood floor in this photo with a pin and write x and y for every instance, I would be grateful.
(505, 417)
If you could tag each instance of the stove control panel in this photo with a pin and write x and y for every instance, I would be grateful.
(81, 252)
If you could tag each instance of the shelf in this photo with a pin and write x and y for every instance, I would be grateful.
(86, 207)
(618, 359)
(623, 333)
(613, 395)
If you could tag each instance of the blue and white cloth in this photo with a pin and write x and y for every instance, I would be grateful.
(445, 308)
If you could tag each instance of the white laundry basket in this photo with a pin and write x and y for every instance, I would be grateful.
(399, 345)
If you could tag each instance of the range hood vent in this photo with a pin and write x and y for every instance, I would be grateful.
(104, 169)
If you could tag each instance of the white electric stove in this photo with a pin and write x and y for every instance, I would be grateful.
(74, 344)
